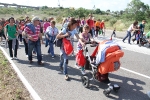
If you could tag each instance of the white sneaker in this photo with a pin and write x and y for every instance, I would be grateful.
(15, 58)
(11, 58)
(27, 56)
(83, 72)
(148, 93)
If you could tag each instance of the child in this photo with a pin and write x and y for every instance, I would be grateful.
(84, 36)
(114, 33)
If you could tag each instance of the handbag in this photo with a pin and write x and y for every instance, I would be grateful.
(68, 48)
(58, 42)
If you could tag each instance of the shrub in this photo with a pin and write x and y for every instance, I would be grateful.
(112, 21)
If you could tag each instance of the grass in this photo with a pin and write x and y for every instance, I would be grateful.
(11, 88)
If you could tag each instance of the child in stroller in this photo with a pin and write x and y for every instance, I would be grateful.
(104, 59)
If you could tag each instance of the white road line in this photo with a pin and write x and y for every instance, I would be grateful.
(22, 78)
(135, 72)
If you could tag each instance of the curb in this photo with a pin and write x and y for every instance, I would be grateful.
(32, 92)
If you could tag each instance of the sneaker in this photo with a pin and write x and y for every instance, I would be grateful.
(40, 63)
(27, 56)
(83, 72)
(11, 58)
(66, 77)
(15, 58)
(52, 56)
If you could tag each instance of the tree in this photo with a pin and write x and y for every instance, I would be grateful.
(136, 10)
(98, 11)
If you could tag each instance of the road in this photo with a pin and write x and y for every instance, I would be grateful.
(49, 83)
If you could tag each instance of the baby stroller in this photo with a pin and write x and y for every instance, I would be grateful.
(142, 41)
(99, 71)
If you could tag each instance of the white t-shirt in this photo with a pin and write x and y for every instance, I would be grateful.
(52, 31)
(130, 29)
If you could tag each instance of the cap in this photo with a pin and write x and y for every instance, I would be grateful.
(35, 18)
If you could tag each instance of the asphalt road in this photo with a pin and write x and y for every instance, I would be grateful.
(48, 81)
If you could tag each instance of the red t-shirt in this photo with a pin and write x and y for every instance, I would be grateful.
(102, 25)
(90, 22)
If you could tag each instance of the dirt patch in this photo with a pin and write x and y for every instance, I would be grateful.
(11, 88)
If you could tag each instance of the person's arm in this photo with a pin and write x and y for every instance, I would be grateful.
(17, 33)
(5, 32)
(91, 38)
(79, 39)
(62, 34)
(134, 28)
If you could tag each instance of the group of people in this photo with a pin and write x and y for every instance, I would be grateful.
(30, 32)
(138, 32)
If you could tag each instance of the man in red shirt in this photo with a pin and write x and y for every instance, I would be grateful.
(90, 22)
(34, 36)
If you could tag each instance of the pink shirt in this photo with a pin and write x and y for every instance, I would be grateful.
(35, 35)
(45, 25)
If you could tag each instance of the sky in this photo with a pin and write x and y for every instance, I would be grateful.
(112, 5)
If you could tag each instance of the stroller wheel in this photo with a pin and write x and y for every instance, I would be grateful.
(85, 81)
(106, 92)
(116, 87)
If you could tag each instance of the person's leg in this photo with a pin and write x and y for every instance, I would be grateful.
(125, 37)
(129, 39)
(16, 48)
(65, 63)
(31, 45)
(52, 49)
(20, 37)
(10, 48)
(38, 48)
(26, 46)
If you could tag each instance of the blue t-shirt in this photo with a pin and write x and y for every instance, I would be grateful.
(72, 33)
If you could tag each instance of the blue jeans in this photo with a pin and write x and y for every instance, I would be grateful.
(51, 48)
(93, 32)
(64, 62)
(128, 35)
(37, 46)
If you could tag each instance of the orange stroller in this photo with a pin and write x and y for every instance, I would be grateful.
(105, 59)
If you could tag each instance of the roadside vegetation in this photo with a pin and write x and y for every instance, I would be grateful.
(11, 88)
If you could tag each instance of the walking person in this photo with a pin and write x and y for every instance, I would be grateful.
(11, 37)
(25, 39)
(51, 33)
(66, 33)
(34, 39)
(45, 25)
(90, 22)
(130, 29)
(97, 24)
(113, 34)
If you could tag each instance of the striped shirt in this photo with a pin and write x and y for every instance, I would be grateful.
(35, 35)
